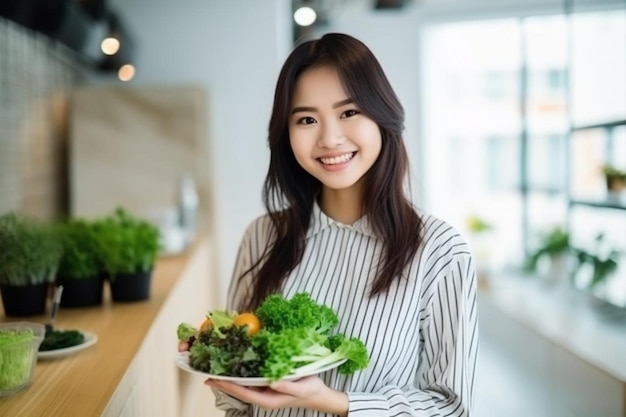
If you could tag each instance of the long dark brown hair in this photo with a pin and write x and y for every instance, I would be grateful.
(289, 191)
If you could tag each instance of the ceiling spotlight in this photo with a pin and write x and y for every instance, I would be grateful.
(118, 48)
(305, 16)
(126, 72)
(110, 46)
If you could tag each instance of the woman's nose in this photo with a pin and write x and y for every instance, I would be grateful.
(331, 135)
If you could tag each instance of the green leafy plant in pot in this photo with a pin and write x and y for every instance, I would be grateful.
(602, 262)
(128, 248)
(80, 272)
(615, 178)
(30, 251)
(554, 245)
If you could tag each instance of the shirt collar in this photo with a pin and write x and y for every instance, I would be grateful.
(320, 221)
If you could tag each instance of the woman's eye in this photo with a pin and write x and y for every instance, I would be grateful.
(349, 113)
(306, 121)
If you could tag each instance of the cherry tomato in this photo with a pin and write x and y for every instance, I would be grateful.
(206, 325)
(250, 321)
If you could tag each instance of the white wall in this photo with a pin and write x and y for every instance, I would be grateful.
(234, 49)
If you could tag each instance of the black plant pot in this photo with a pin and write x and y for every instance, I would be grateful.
(28, 300)
(84, 292)
(131, 287)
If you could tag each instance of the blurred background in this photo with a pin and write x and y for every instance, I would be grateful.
(515, 125)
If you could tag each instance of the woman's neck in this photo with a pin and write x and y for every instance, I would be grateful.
(344, 206)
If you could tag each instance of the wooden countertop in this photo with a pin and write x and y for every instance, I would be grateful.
(83, 384)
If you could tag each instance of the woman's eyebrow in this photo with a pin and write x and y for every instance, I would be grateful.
(303, 109)
(342, 103)
(313, 109)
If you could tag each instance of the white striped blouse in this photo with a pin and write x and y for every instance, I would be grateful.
(421, 335)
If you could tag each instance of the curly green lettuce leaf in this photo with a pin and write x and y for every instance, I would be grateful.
(301, 311)
(227, 352)
(184, 331)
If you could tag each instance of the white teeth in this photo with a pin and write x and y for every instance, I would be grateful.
(337, 159)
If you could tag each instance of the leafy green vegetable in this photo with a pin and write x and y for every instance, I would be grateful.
(277, 313)
(16, 358)
(290, 348)
(352, 349)
(59, 339)
(184, 331)
(294, 338)
(303, 350)
(221, 318)
(227, 353)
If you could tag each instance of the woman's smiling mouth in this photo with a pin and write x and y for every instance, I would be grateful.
(336, 160)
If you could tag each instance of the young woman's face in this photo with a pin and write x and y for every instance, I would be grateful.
(330, 137)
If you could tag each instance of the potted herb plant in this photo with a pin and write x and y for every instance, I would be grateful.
(554, 246)
(128, 248)
(602, 262)
(30, 251)
(615, 178)
(79, 268)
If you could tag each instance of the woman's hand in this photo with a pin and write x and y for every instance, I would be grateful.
(309, 392)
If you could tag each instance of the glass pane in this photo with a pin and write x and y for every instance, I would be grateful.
(547, 167)
(472, 125)
(587, 154)
(598, 77)
(546, 109)
(546, 212)
(617, 153)
(546, 64)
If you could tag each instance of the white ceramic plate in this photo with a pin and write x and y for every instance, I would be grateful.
(90, 339)
(182, 361)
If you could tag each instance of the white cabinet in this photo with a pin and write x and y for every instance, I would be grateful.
(552, 355)
(153, 385)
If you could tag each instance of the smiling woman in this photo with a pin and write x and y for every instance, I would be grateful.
(340, 227)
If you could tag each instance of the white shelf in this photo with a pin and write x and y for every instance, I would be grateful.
(566, 317)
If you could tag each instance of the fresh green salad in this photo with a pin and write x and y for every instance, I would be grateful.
(16, 357)
(281, 337)
(60, 339)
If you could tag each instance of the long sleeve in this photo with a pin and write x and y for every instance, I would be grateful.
(231, 406)
(448, 353)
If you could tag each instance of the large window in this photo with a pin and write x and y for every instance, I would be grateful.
(502, 101)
